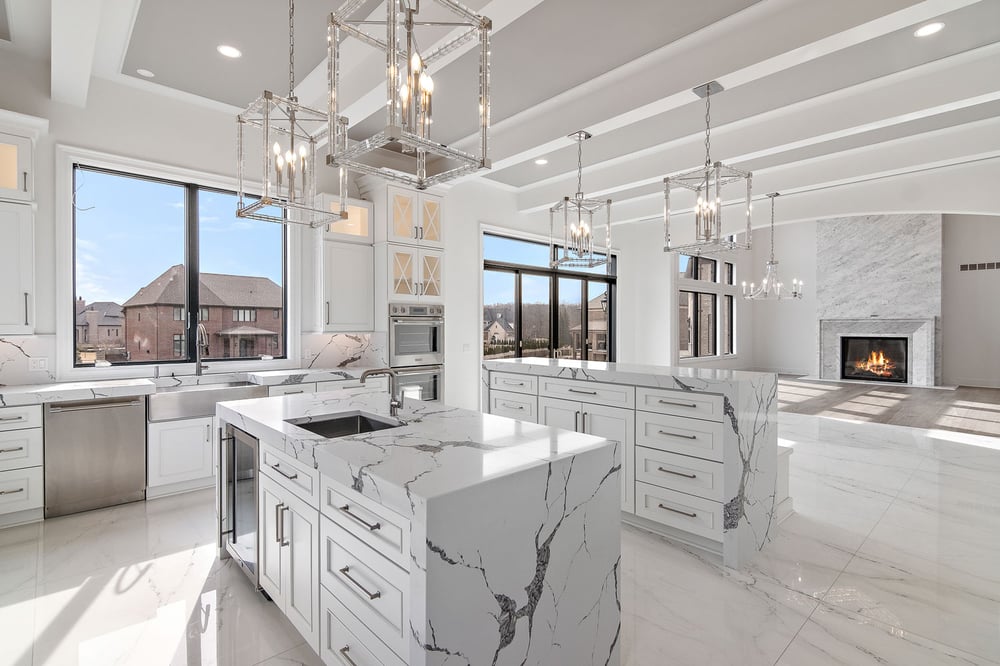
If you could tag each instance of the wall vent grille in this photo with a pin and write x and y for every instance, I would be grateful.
(982, 266)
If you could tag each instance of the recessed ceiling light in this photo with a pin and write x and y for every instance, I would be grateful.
(541, 161)
(928, 30)
(228, 51)
(145, 72)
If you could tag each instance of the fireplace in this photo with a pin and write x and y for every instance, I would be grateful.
(876, 359)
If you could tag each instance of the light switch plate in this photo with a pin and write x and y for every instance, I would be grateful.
(38, 364)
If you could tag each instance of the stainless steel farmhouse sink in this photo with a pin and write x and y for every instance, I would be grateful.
(342, 425)
(191, 402)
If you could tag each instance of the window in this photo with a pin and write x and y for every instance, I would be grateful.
(134, 240)
(244, 314)
(705, 307)
(531, 309)
(277, 314)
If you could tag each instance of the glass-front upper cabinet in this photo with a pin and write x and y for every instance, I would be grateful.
(357, 228)
(16, 175)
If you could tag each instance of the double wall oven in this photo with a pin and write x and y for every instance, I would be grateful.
(416, 349)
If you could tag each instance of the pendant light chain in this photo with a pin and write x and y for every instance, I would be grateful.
(291, 49)
(579, 166)
(772, 224)
(708, 126)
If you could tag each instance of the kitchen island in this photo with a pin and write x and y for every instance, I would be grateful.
(456, 537)
(699, 445)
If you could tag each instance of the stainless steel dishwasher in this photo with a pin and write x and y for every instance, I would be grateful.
(95, 454)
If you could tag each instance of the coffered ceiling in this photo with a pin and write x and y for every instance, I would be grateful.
(817, 94)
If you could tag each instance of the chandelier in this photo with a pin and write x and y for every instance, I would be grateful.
(771, 286)
(404, 150)
(707, 183)
(280, 136)
(578, 222)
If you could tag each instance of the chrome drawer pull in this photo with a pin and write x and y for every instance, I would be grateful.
(12, 449)
(277, 523)
(510, 383)
(348, 576)
(11, 492)
(670, 471)
(283, 473)
(343, 653)
(371, 526)
(510, 406)
(573, 390)
(677, 434)
(19, 417)
(683, 513)
(281, 521)
(678, 404)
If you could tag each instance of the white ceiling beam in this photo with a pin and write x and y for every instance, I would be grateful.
(75, 24)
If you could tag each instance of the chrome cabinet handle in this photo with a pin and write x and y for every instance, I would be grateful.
(343, 653)
(584, 428)
(371, 595)
(683, 513)
(415, 231)
(278, 527)
(328, 312)
(24, 177)
(25, 307)
(371, 526)
(508, 382)
(677, 434)
(678, 404)
(294, 392)
(208, 433)
(421, 233)
(283, 473)
(19, 417)
(503, 404)
(670, 471)
(12, 449)
(573, 390)
(576, 421)
(281, 521)
(11, 492)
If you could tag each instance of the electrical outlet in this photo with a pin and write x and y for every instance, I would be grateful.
(38, 364)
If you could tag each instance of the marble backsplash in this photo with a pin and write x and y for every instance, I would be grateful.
(15, 353)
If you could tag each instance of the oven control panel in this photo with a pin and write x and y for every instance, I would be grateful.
(407, 310)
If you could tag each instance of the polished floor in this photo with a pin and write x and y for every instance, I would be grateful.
(890, 558)
(964, 409)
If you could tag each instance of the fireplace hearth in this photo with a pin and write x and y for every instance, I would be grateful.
(877, 359)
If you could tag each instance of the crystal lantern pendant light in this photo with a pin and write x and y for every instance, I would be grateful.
(279, 136)
(578, 249)
(404, 151)
(771, 287)
(707, 183)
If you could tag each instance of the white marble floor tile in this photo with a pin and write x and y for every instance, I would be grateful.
(18, 557)
(301, 655)
(835, 637)
(680, 609)
(17, 622)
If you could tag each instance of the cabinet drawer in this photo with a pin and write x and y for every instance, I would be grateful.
(291, 474)
(291, 389)
(384, 530)
(690, 437)
(680, 403)
(678, 510)
(21, 489)
(514, 405)
(20, 448)
(16, 418)
(371, 587)
(685, 474)
(345, 640)
(595, 393)
(506, 381)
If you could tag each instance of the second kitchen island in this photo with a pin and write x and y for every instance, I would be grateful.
(453, 537)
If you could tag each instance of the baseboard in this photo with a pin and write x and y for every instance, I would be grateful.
(177, 488)
(706, 547)
(21, 517)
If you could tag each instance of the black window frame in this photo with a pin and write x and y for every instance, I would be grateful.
(191, 266)
(611, 279)
(722, 288)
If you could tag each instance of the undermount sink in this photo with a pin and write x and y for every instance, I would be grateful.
(342, 425)
(198, 400)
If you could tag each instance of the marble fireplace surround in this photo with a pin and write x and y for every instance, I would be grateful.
(923, 366)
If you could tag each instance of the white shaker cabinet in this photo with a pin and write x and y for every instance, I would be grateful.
(413, 218)
(415, 274)
(348, 287)
(179, 452)
(17, 274)
(16, 169)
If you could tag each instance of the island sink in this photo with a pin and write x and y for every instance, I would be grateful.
(343, 425)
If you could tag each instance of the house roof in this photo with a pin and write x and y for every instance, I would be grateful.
(110, 313)
(504, 324)
(217, 289)
(246, 330)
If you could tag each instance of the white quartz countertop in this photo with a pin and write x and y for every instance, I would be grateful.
(439, 450)
(304, 375)
(37, 394)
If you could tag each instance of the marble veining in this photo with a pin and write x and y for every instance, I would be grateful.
(345, 350)
(15, 354)
(305, 376)
(37, 394)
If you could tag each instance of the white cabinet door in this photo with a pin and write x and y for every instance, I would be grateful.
(179, 451)
(357, 228)
(16, 177)
(616, 424)
(349, 287)
(431, 221)
(431, 271)
(301, 585)
(269, 543)
(403, 273)
(403, 217)
(17, 260)
(563, 414)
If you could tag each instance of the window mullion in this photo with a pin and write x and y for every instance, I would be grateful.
(191, 252)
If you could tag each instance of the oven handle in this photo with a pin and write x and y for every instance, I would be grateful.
(416, 320)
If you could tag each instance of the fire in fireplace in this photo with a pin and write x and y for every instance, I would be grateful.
(873, 359)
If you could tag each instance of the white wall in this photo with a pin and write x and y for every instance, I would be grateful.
(970, 308)
(645, 298)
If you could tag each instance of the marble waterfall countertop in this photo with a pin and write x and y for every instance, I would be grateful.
(37, 394)
(514, 530)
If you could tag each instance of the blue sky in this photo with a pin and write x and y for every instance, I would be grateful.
(499, 287)
(129, 231)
